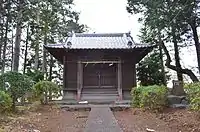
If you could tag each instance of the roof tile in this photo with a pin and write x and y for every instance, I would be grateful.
(99, 41)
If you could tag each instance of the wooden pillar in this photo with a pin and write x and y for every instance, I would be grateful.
(119, 79)
(79, 79)
(64, 72)
(134, 76)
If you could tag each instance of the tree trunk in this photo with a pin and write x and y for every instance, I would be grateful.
(36, 65)
(183, 71)
(50, 74)
(13, 104)
(1, 43)
(5, 44)
(37, 45)
(163, 67)
(176, 54)
(50, 68)
(196, 40)
(2, 31)
(44, 64)
(6, 37)
(18, 38)
(12, 50)
(26, 49)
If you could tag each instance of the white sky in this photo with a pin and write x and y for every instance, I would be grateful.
(111, 16)
(107, 16)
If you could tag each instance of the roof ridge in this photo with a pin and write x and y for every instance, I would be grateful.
(99, 34)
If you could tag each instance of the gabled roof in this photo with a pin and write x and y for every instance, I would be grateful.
(99, 41)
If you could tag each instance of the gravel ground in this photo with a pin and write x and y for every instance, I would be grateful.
(171, 120)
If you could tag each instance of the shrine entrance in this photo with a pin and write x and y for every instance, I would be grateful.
(100, 76)
(100, 80)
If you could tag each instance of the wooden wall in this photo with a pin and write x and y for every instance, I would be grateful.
(128, 66)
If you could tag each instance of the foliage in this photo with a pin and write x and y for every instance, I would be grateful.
(17, 84)
(149, 97)
(193, 92)
(149, 70)
(41, 22)
(5, 102)
(36, 75)
(169, 21)
(45, 90)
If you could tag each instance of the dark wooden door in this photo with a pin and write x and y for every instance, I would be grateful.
(99, 75)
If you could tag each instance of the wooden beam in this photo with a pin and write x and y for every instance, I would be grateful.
(134, 76)
(81, 76)
(93, 62)
(79, 80)
(64, 72)
(119, 79)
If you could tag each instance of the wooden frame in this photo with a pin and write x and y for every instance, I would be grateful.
(79, 79)
(80, 76)
(64, 72)
(119, 79)
(93, 62)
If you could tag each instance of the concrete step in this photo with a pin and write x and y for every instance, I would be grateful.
(101, 101)
(87, 107)
(99, 92)
(99, 89)
(179, 106)
(110, 102)
(173, 99)
(103, 97)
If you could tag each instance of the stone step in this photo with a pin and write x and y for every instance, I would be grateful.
(179, 106)
(100, 101)
(99, 89)
(110, 102)
(173, 99)
(103, 97)
(87, 107)
(99, 92)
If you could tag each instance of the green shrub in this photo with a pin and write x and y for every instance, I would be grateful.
(19, 84)
(149, 97)
(193, 94)
(35, 75)
(5, 102)
(45, 90)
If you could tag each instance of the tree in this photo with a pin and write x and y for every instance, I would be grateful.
(149, 70)
(45, 90)
(7, 9)
(34, 23)
(190, 15)
(18, 36)
(18, 83)
(164, 23)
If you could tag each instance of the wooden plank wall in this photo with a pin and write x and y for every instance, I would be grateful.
(128, 69)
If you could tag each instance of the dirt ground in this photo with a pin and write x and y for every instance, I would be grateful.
(53, 119)
(45, 119)
(171, 120)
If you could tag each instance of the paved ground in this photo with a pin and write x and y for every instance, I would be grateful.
(101, 119)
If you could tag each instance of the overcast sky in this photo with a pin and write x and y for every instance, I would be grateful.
(110, 16)
(106, 16)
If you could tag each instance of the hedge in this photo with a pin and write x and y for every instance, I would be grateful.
(193, 94)
(149, 97)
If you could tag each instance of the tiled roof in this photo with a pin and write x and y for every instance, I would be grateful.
(99, 41)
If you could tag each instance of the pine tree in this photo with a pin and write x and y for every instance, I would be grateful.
(164, 21)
